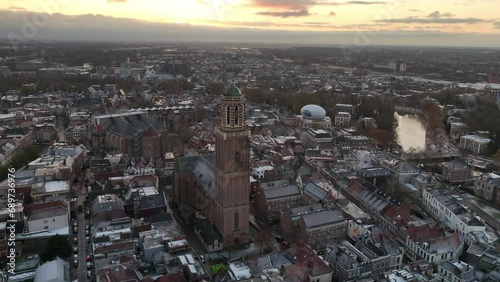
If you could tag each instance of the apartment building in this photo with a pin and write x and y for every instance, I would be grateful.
(354, 262)
(487, 186)
(53, 216)
(271, 201)
(449, 210)
(343, 119)
(457, 171)
(456, 271)
(475, 144)
(289, 226)
(432, 244)
(320, 229)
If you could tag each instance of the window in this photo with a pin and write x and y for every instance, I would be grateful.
(236, 113)
(45, 221)
(228, 115)
(45, 227)
(236, 220)
(53, 220)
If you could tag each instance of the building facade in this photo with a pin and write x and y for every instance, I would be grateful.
(219, 186)
(449, 211)
(343, 119)
(474, 143)
(457, 171)
(487, 186)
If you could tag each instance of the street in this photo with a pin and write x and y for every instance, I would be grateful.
(80, 272)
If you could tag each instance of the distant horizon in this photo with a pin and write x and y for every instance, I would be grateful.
(4, 42)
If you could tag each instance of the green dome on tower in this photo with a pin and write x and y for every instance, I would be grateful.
(233, 91)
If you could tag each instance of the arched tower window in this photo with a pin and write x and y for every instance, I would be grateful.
(236, 220)
(228, 115)
(236, 116)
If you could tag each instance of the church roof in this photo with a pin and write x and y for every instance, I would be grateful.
(202, 168)
(151, 132)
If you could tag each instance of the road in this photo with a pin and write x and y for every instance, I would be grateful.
(80, 272)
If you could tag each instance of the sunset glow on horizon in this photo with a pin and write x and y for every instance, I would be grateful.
(460, 16)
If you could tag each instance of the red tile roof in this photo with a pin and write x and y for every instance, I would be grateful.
(123, 246)
(175, 277)
(355, 187)
(48, 205)
(300, 252)
(151, 132)
(296, 272)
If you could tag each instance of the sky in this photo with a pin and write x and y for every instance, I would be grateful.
(370, 22)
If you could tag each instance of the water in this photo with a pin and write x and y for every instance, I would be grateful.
(411, 132)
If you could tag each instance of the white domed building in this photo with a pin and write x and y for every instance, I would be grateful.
(314, 116)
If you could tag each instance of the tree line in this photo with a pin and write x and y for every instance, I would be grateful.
(21, 159)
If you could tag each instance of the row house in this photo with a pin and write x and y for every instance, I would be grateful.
(362, 260)
(451, 212)
(307, 264)
(433, 245)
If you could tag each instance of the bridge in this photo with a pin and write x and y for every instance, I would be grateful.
(408, 110)
(431, 156)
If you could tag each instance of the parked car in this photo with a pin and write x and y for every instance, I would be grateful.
(88, 239)
(75, 229)
(75, 240)
(203, 259)
(75, 263)
(75, 250)
(89, 265)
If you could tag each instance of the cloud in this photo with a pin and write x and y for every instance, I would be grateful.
(332, 13)
(286, 4)
(295, 4)
(414, 10)
(285, 14)
(117, 1)
(16, 9)
(99, 28)
(437, 15)
(412, 20)
(358, 3)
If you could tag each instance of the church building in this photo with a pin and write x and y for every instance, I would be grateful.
(218, 186)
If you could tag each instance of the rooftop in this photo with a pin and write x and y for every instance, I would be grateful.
(239, 268)
(323, 218)
(282, 192)
(477, 139)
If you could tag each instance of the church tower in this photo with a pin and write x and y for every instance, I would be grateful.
(232, 149)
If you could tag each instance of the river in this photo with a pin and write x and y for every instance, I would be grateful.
(411, 131)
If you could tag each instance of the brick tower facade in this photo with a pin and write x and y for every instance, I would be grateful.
(231, 205)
